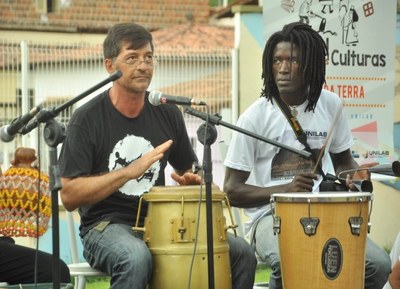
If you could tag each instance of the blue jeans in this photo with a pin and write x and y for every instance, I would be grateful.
(122, 253)
(377, 265)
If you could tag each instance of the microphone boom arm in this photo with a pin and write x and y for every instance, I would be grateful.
(46, 115)
(54, 135)
(217, 120)
(392, 169)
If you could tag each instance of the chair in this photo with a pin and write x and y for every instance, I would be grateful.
(5, 285)
(79, 270)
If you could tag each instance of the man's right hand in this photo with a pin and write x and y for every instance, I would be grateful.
(141, 165)
(303, 182)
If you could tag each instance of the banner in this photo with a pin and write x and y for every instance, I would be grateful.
(361, 40)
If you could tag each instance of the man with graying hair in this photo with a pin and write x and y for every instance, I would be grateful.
(116, 148)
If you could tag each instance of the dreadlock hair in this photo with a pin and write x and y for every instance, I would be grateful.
(313, 51)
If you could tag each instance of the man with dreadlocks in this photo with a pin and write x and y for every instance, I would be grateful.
(293, 71)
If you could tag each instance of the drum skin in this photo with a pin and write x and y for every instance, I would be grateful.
(177, 237)
(334, 256)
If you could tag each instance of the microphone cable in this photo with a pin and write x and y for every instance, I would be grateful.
(199, 207)
(39, 166)
(196, 235)
(349, 171)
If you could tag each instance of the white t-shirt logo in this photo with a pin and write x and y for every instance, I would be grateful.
(125, 152)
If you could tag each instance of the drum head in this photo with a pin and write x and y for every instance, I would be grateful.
(321, 197)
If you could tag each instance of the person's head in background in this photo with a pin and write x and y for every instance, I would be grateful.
(24, 158)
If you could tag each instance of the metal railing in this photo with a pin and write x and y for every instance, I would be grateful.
(50, 74)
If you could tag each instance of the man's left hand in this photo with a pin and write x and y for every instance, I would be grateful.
(361, 174)
(187, 179)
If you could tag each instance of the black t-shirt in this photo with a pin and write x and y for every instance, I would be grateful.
(100, 139)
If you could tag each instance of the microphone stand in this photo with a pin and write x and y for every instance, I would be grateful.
(208, 133)
(54, 134)
(217, 120)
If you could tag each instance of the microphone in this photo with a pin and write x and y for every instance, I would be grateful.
(9, 131)
(157, 98)
(392, 169)
(363, 185)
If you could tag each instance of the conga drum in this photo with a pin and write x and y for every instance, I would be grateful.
(176, 234)
(322, 238)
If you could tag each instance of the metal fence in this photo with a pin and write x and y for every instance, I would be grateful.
(51, 74)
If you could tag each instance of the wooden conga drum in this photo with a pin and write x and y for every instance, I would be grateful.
(322, 239)
(176, 234)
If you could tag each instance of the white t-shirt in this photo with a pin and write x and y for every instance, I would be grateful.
(270, 165)
(394, 256)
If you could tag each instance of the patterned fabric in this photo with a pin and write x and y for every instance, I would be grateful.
(19, 194)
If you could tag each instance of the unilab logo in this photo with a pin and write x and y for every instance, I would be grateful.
(376, 154)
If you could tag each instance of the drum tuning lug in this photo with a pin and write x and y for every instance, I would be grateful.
(182, 231)
(139, 229)
(277, 225)
(310, 225)
(231, 227)
(369, 228)
(355, 225)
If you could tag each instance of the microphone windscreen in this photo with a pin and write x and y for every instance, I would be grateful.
(154, 97)
(363, 185)
(396, 168)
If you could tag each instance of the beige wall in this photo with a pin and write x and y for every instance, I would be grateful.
(397, 88)
(385, 215)
(53, 37)
(250, 57)
(8, 83)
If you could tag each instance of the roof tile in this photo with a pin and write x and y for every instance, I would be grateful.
(198, 37)
(99, 15)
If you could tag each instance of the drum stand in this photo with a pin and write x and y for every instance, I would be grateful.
(207, 134)
(54, 134)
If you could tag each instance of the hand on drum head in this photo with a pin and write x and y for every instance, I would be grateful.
(303, 182)
(187, 179)
(361, 174)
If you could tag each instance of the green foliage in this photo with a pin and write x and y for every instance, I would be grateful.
(98, 283)
(216, 3)
(262, 275)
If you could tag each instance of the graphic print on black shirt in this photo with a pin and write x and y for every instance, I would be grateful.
(125, 152)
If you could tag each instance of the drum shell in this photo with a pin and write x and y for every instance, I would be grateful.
(304, 258)
(171, 209)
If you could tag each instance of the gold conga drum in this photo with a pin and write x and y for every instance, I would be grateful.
(322, 239)
(176, 234)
